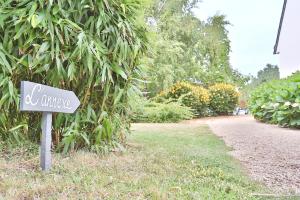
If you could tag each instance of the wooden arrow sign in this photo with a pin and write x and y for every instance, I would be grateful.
(43, 98)
(46, 99)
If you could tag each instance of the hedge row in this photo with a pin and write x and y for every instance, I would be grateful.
(219, 99)
(278, 102)
(164, 112)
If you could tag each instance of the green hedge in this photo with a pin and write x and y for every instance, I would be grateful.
(165, 112)
(278, 102)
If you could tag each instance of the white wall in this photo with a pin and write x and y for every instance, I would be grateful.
(289, 43)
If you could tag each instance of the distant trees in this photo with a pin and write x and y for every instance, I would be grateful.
(182, 47)
(269, 73)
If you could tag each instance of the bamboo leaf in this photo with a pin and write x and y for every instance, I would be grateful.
(11, 88)
(118, 97)
(32, 11)
(5, 62)
(35, 21)
(20, 31)
(119, 71)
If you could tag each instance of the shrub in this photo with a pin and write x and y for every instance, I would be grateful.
(89, 47)
(195, 97)
(153, 112)
(223, 98)
(295, 77)
(277, 102)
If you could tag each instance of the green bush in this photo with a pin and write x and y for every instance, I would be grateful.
(195, 97)
(165, 112)
(295, 77)
(89, 47)
(223, 98)
(278, 102)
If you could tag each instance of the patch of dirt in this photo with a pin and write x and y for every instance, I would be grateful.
(270, 154)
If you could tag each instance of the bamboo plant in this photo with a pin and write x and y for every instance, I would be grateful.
(91, 47)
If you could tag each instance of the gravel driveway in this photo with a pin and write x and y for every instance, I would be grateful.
(270, 154)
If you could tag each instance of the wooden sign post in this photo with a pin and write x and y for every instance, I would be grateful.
(42, 98)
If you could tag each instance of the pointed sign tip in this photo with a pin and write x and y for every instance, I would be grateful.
(43, 98)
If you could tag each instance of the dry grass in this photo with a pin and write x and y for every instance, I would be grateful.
(173, 161)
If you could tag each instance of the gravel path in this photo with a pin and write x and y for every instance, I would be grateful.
(269, 153)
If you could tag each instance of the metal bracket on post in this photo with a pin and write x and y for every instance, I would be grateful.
(46, 141)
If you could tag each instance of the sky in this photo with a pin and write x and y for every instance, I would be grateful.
(252, 33)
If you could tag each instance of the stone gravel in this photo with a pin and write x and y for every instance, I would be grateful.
(270, 154)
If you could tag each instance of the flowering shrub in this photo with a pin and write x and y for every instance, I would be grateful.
(195, 97)
(223, 98)
(278, 102)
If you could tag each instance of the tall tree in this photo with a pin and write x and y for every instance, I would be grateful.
(185, 48)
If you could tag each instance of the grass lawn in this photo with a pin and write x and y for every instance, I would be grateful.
(166, 161)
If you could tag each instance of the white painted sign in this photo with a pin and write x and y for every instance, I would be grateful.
(43, 98)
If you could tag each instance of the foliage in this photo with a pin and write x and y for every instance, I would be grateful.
(224, 98)
(278, 102)
(193, 96)
(184, 48)
(164, 112)
(269, 73)
(219, 99)
(295, 77)
(89, 47)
